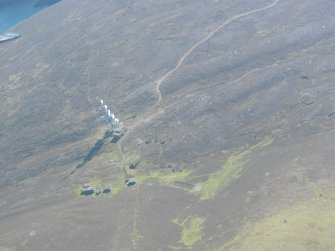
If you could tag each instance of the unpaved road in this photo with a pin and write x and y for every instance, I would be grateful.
(183, 58)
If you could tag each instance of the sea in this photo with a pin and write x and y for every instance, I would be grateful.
(13, 12)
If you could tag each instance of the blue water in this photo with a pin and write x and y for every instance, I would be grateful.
(14, 12)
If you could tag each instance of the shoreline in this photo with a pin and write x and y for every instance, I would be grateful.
(14, 13)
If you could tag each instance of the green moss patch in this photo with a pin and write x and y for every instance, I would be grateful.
(191, 230)
(230, 171)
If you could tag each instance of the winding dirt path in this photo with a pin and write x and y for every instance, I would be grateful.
(179, 64)
(183, 58)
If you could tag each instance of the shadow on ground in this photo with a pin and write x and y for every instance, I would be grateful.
(98, 145)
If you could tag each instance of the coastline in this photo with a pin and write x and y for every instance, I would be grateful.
(14, 12)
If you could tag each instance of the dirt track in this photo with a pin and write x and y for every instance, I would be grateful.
(246, 113)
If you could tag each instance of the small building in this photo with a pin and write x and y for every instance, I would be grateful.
(131, 182)
(107, 189)
(119, 132)
(87, 190)
(132, 165)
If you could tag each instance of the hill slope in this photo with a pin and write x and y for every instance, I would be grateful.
(230, 111)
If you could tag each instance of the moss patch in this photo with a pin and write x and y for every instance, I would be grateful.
(77, 190)
(117, 186)
(230, 171)
(191, 230)
(307, 226)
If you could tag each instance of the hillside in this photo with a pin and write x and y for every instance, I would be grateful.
(230, 113)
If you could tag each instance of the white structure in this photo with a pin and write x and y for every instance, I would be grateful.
(113, 124)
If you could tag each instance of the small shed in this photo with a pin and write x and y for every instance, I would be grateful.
(131, 182)
(87, 190)
(132, 165)
(107, 189)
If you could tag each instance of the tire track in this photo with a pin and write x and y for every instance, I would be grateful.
(123, 160)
